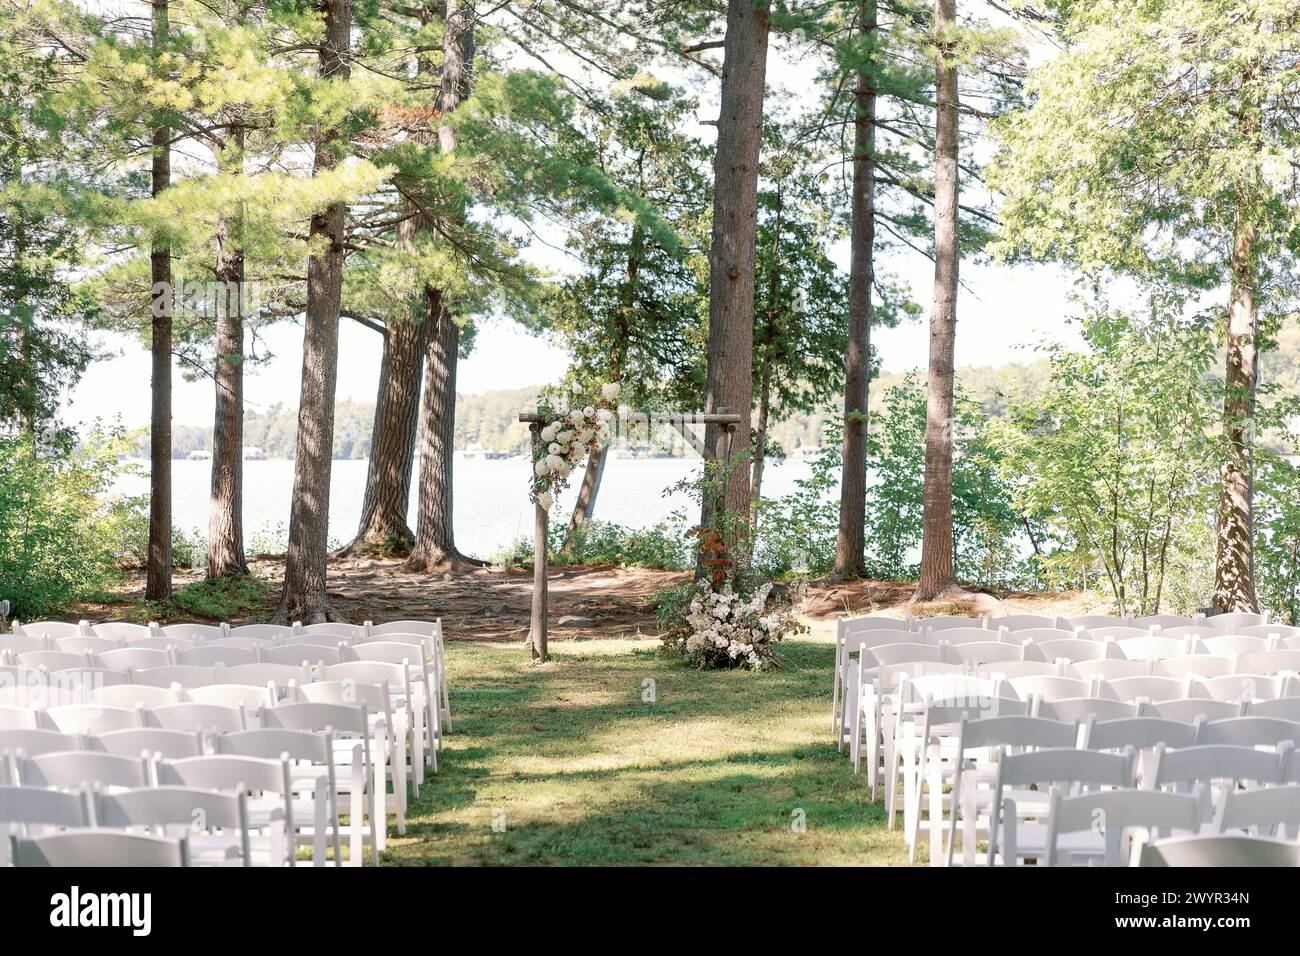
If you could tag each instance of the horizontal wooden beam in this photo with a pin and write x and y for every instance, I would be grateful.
(664, 418)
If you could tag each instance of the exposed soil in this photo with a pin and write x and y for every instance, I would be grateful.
(585, 602)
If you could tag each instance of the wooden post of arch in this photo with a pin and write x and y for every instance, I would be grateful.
(680, 422)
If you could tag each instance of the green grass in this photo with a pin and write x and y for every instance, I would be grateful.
(581, 770)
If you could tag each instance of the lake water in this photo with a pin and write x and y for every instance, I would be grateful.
(492, 509)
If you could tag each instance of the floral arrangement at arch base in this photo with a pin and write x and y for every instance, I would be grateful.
(724, 623)
(568, 436)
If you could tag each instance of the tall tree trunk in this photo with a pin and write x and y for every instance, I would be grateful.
(850, 542)
(383, 526)
(158, 564)
(1234, 565)
(435, 538)
(587, 492)
(760, 434)
(937, 574)
(304, 596)
(729, 378)
(585, 506)
(226, 522)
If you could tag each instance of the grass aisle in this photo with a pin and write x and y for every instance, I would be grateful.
(579, 769)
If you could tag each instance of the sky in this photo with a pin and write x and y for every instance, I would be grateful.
(1002, 312)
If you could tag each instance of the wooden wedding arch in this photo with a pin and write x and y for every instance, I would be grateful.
(682, 423)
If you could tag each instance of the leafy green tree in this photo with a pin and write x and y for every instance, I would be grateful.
(1117, 457)
(1161, 142)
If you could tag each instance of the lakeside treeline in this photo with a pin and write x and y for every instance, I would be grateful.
(490, 419)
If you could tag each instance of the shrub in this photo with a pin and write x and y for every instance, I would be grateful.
(58, 540)
(223, 599)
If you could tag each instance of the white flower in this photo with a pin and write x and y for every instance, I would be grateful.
(564, 469)
(589, 412)
(546, 499)
(554, 462)
(563, 436)
(542, 468)
(548, 433)
(609, 392)
(555, 448)
(577, 416)
(604, 414)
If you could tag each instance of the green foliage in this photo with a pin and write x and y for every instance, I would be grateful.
(661, 547)
(222, 600)
(58, 540)
(795, 533)
(1117, 459)
(986, 526)
(1277, 536)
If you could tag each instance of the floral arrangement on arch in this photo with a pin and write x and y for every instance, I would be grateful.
(568, 435)
(726, 625)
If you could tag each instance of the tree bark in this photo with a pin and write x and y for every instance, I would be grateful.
(729, 378)
(760, 435)
(304, 597)
(226, 522)
(158, 564)
(587, 492)
(435, 539)
(383, 526)
(1234, 565)
(850, 542)
(937, 575)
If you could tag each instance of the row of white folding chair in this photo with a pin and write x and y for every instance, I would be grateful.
(1213, 699)
(1231, 755)
(866, 707)
(319, 740)
(232, 708)
(99, 848)
(40, 636)
(25, 687)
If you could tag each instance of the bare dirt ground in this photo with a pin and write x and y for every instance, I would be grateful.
(586, 603)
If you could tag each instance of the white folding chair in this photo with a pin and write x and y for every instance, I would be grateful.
(192, 632)
(82, 644)
(31, 811)
(156, 741)
(82, 768)
(99, 848)
(1229, 623)
(1101, 823)
(1012, 838)
(262, 632)
(1112, 668)
(93, 718)
(1020, 622)
(1271, 662)
(121, 631)
(184, 676)
(216, 823)
(126, 659)
(990, 653)
(1233, 644)
(1250, 731)
(1153, 648)
(217, 655)
(1221, 850)
(135, 696)
(1089, 621)
(961, 635)
(942, 622)
(267, 782)
(357, 776)
(1070, 709)
(1076, 649)
(1041, 635)
(53, 629)
(1163, 621)
(298, 655)
(1279, 631)
(868, 632)
(1261, 812)
(1240, 687)
(199, 718)
(248, 697)
(416, 659)
(313, 777)
(1152, 688)
(979, 743)
(1196, 666)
